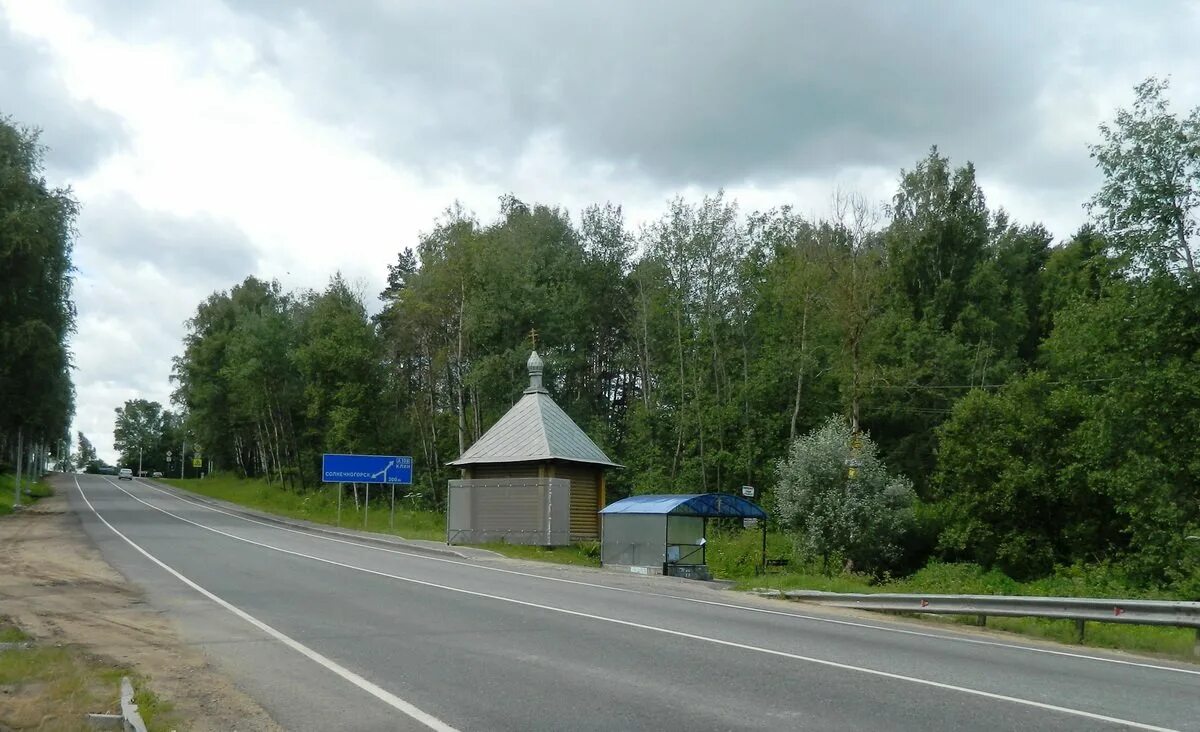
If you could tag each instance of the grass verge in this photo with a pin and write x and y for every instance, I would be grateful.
(32, 492)
(580, 555)
(970, 579)
(56, 687)
(320, 506)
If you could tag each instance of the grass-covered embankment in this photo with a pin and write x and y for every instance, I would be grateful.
(320, 506)
(32, 492)
(735, 556)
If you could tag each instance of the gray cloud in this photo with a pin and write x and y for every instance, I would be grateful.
(193, 251)
(712, 94)
(686, 93)
(707, 94)
(141, 275)
(78, 133)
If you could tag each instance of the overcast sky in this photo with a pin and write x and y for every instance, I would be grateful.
(208, 140)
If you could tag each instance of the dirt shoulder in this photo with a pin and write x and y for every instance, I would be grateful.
(57, 588)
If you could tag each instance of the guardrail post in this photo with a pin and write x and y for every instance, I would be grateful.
(1196, 647)
(981, 621)
(1079, 627)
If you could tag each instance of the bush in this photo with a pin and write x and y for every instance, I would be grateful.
(836, 498)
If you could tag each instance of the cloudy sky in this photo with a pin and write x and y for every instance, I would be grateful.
(212, 139)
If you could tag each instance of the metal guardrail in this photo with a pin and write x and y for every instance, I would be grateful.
(1137, 612)
(1169, 613)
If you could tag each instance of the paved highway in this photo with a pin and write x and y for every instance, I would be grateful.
(337, 634)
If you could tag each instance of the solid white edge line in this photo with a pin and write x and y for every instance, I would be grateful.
(676, 633)
(383, 695)
(733, 606)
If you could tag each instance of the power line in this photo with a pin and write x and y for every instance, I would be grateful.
(990, 386)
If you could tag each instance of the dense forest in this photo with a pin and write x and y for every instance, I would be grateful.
(1041, 397)
(37, 399)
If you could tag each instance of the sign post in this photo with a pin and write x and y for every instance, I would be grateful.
(367, 469)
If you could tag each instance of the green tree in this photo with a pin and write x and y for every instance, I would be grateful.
(36, 312)
(1081, 270)
(238, 384)
(836, 497)
(137, 431)
(338, 362)
(85, 456)
(1135, 350)
(1150, 201)
(1014, 495)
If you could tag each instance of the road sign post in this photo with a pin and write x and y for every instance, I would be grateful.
(367, 469)
(375, 469)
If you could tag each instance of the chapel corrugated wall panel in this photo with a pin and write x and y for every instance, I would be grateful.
(585, 499)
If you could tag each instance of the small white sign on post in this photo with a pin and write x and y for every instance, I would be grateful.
(749, 491)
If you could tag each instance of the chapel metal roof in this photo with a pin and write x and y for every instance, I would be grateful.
(708, 505)
(535, 429)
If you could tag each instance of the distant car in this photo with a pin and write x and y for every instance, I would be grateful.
(125, 474)
(157, 474)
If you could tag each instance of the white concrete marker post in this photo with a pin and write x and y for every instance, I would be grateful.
(20, 461)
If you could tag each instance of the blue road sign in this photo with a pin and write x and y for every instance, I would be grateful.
(366, 469)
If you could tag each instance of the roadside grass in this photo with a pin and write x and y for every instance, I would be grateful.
(33, 492)
(10, 633)
(580, 555)
(320, 506)
(56, 687)
(970, 579)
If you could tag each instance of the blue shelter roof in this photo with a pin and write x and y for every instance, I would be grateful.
(707, 505)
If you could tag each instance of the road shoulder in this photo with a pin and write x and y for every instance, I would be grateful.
(58, 588)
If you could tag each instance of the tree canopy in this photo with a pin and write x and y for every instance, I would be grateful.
(1040, 397)
(37, 399)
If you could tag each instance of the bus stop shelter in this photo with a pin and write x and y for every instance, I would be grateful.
(667, 534)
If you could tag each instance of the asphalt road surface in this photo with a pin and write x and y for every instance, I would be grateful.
(335, 634)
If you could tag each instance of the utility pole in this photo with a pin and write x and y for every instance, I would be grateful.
(182, 458)
(139, 461)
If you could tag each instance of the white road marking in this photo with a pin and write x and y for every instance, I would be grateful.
(383, 695)
(734, 606)
(668, 631)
